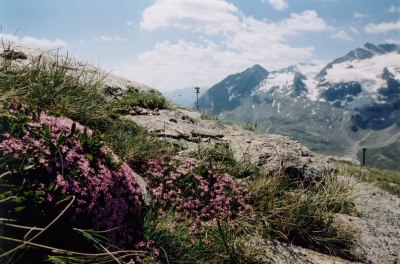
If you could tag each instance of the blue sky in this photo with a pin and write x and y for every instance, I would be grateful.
(171, 44)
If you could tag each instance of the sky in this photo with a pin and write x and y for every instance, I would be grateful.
(172, 44)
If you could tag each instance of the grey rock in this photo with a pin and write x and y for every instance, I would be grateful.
(272, 153)
(306, 174)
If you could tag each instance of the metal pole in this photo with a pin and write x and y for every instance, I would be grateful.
(363, 158)
(197, 94)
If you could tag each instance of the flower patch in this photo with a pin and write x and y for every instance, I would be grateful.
(46, 159)
(192, 190)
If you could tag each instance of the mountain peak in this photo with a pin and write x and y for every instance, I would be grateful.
(371, 47)
(257, 68)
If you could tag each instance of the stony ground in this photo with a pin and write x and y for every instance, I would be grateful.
(376, 223)
(189, 129)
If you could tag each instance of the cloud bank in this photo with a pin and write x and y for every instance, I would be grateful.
(227, 41)
(34, 42)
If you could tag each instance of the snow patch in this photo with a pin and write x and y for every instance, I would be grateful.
(367, 72)
(313, 91)
(276, 79)
(395, 70)
(310, 70)
(231, 95)
(229, 88)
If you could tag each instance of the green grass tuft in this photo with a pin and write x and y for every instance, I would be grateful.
(303, 215)
(132, 98)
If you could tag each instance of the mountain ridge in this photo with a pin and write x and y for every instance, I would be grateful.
(356, 94)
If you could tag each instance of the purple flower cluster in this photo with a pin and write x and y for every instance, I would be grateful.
(193, 191)
(53, 150)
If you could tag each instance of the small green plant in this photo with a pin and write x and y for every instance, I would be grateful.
(134, 144)
(11, 54)
(209, 116)
(303, 215)
(221, 158)
(219, 243)
(251, 126)
(132, 98)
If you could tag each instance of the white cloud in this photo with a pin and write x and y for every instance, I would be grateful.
(354, 30)
(341, 35)
(277, 4)
(129, 23)
(394, 9)
(258, 36)
(229, 42)
(358, 15)
(205, 16)
(308, 20)
(382, 27)
(109, 39)
(34, 42)
(392, 41)
(171, 66)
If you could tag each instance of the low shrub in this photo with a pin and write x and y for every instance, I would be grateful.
(193, 191)
(132, 98)
(51, 167)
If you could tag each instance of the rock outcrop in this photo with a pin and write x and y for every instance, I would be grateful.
(378, 220)
(271, 152)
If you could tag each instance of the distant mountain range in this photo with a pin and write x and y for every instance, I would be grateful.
(351, 103)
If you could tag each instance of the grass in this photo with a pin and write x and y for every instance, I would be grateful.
(208, 116)
(133, 98)
(303, 215)
(387, 180)
(48, 84)
(283, 209)
(213, 244)
(288, 209)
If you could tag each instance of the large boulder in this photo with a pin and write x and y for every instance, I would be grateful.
(273, 153)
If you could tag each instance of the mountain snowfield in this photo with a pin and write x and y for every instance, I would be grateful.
(335, 109)
(368, 72)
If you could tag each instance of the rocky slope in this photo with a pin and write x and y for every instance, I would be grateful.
(378, 218)
(379, 212)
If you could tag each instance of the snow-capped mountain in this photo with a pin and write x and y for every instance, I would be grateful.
(364, 76)
(334, 109)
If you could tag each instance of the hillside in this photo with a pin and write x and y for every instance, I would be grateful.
(351, 103)
(95, 168)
